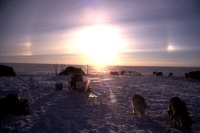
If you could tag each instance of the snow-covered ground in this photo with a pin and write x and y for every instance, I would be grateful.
(64, 112)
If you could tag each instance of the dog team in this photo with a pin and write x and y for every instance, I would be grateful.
(176, 109)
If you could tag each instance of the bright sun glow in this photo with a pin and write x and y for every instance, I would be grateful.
(101, 43)
(170, 48)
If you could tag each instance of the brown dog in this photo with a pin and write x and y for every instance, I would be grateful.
(178, 110)
(139, 104)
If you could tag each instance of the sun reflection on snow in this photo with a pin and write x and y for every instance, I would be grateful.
(87, 85)
(112, 97)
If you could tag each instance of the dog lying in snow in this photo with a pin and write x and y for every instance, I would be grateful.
(139, 104)
(178, 110)
(13, 104)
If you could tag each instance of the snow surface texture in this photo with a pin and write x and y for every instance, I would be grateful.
(64, 112)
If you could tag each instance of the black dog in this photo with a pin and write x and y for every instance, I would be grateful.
(13, 104)
(159, 74)
(178, 110)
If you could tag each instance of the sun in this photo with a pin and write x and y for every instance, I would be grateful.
(100, 43)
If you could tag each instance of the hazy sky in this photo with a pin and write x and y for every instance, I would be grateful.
(121, 32)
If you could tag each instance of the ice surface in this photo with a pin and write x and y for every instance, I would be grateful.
(62, 111)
